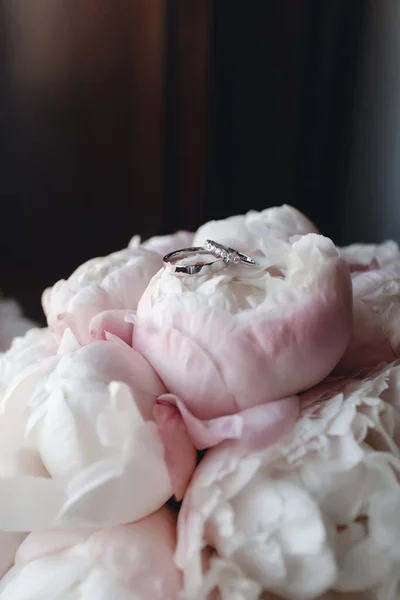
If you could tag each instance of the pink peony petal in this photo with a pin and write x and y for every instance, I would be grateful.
(265, 424)
(256, 427)
(179, 452)
(111, 321)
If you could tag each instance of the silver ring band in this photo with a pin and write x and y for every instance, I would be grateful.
(229, 254)
(198, 268)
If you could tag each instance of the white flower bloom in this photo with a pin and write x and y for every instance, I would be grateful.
(79, 443)
(319, 513)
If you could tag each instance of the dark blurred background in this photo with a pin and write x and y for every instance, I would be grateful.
(144, 116)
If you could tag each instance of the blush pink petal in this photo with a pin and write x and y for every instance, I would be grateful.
(256, 427)
(112, 321)
(179, 452)
(207, 433)
(264, 425)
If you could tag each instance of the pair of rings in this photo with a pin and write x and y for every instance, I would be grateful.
(223, 256)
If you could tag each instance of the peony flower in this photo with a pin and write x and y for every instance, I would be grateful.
(78, 442)
(12, 323)
(234, 349)
(376, 307)
(163, 244)
(319, 512)
(126, 562)
(93, 299)
(251, 229)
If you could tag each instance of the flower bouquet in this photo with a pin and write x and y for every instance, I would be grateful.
(221, 424)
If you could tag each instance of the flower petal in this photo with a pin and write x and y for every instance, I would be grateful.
(179, 453)
(256, 427)
(111, 321)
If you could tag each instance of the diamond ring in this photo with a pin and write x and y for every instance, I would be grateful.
(228, 254)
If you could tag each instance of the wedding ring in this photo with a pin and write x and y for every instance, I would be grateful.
(223, 256)
(199, 267)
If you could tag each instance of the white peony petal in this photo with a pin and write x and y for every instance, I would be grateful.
(98, 584)
(362, 567)
(105, 491)
(9, 543)
(29, 503)
(46, 579)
